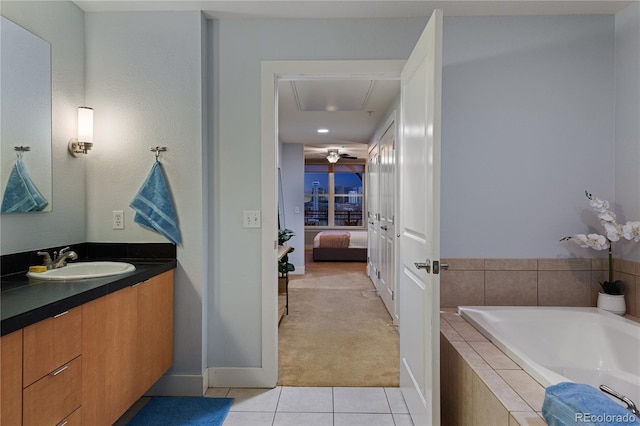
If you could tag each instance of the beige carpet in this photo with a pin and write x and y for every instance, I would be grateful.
(337, 332)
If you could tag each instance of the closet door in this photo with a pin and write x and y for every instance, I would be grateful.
(386, 246)
(373, 209)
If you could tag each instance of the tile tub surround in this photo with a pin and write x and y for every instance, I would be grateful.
(479, 384)
(534, 282)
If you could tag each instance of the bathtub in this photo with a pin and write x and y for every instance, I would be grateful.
(560, 344)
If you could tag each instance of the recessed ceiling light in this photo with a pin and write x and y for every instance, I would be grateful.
(323, 130)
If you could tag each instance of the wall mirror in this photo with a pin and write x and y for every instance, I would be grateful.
(25, 102)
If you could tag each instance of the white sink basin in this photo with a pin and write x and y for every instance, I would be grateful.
(82, 270)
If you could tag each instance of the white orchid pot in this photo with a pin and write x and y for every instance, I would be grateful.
(612, 302)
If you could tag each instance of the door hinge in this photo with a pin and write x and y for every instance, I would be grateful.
(378, 274)
(393, 295)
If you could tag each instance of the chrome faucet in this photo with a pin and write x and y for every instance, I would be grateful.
(630, 405)
(60, 259)
(46, 259)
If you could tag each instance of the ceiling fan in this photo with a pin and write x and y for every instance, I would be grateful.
(348, 152)
(333, 155)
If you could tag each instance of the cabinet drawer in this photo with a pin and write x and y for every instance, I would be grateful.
(73, 419)
(50, 343)
(54, 397)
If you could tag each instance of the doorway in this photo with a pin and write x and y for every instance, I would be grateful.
(385, 76)
(272, 72)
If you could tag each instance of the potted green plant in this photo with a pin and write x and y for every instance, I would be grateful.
(614, 231)
(284, 267)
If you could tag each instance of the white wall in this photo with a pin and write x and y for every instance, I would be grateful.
(144, 81)
(528, 126)
(627, 148)
(62, 25)
(292, 167)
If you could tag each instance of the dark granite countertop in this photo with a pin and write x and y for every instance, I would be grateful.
(25, 301)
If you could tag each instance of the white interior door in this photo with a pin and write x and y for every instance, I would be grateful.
(419, 226)
(387, 219)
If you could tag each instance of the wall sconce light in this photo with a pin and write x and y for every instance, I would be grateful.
(84, 142)
(333, 156)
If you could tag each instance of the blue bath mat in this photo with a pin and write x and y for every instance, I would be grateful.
(182, 411)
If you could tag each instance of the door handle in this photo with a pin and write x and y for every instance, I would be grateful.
(426, 265)
(437, 266)
(383, 228)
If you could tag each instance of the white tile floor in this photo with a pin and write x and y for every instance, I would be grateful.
(309, 406)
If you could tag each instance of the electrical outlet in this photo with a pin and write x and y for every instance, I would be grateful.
(118, 219)
(251, 219)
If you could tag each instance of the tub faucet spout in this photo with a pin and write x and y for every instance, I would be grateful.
(630, 405)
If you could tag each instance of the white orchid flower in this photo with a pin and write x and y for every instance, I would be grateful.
(594, 241)
(631, 231)
(597, 204)
(606, 216)
(614, 231)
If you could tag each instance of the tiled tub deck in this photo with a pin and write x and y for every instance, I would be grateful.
(480, 385)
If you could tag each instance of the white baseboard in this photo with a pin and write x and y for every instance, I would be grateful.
(236, 377)
(180, 385)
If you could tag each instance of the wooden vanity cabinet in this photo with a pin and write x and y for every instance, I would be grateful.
(127, 345)
(87, 366)
(109, 353)
(155, 330)
(11, 379)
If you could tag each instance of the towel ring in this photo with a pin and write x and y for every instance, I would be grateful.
(158, 150)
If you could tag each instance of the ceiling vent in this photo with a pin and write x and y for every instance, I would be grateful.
(332, 95)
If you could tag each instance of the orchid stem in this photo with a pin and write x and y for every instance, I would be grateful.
(610, 265)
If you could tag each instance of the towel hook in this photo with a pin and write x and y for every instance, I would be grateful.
(158, 150)
(21, 150)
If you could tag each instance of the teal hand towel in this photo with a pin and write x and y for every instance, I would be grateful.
(21, 195)
(579, 404)
(154, 207)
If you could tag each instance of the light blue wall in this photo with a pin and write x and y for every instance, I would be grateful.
(527, 126)
(628, 123)
(145, 83)
(292, 167)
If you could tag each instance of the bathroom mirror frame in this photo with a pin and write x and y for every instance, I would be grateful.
(26, 105)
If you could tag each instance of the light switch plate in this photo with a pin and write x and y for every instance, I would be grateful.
(251, 219)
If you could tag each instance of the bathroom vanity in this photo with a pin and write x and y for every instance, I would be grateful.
(83, 352)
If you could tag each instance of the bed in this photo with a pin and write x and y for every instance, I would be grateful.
(340, 246)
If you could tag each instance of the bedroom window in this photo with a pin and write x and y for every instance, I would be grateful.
(334, 195)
